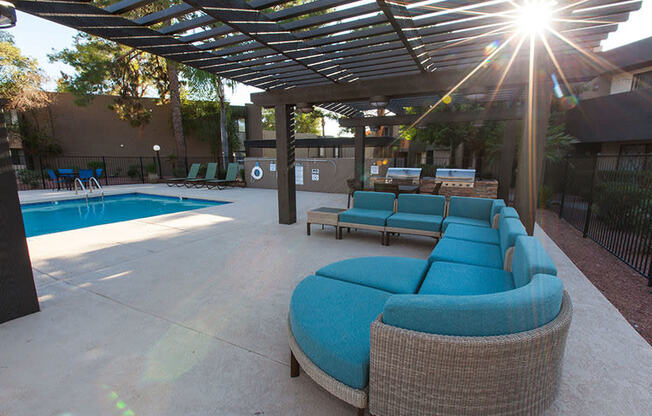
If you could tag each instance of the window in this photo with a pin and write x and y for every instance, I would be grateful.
(642, 80)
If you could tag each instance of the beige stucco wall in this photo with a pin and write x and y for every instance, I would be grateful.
(95, 130)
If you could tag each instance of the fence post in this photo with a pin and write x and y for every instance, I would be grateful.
(40, 164)
(587, 221)
(563, 188)
(142, 172)
(106, 172)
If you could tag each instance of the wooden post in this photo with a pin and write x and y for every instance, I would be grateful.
(17, 291)
(507, 159)
(533, 140)
(253, 127)
(286, 186)
(358, 144)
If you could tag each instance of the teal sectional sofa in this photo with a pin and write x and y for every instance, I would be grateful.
(427, 215)
(497, 256)
(373, 331)
(479, 212)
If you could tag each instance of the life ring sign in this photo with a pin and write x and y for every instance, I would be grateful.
(257, 172)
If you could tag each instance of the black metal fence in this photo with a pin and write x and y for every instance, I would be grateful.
(609, 199)
(43, 172)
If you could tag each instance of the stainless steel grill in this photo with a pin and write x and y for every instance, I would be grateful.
(460, 178)
(403, 176)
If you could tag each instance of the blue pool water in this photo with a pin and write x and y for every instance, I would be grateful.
(51, 217)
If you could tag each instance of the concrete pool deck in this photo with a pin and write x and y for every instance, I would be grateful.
(186, 313)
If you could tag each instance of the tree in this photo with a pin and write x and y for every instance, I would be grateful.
(310, 123)
(20, 78)
(104, 67)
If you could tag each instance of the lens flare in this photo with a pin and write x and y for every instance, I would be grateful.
(491, 47)
(447, 99)
(534, 16)
(569, 102)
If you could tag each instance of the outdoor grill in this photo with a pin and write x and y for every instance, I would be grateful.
(403, 176)
(460, 178)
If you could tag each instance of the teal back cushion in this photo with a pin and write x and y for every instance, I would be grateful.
(529, 259)
(478, 208)
(508, 212)
(383, 201)
(421, 204)
(496, 206)
(508, 230)
(509, 312)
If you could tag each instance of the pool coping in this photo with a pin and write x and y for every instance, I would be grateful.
(112, 195)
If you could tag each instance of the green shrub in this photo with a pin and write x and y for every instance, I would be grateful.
(150, 168)
(29, 177)
(620, 205)
(133, 171)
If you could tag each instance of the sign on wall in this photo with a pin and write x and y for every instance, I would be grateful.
(272, 167)
(298, 174)
(315, 174)
(374, 170)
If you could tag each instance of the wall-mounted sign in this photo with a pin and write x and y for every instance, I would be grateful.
(375, 170)
(272, 167)
(298, 174)
(315, 174)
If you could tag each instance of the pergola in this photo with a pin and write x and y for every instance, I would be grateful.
(345, 56)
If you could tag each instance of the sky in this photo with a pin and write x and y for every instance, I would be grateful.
(38, 37)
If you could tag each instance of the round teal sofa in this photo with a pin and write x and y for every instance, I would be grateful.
(365, 328)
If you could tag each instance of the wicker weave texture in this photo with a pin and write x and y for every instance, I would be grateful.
(354, 397)
(414, 373)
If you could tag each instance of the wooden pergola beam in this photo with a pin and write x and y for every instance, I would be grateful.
(496, 114)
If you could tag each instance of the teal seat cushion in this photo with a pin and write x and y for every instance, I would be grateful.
(467, 252)
(330, 321)
(496, 207)
(462, 279)
(415, 221)
(365, 216)
(382, 201)
(508, 212)
(391, 274)
(422, 204)
(530, 258)
(451, 219)
(518, 310)
(467, 207)
(472, 233)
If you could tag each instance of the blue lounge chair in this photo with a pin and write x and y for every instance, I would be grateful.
(54, 179)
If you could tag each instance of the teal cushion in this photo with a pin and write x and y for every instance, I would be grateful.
(462, 279)
(518, 310)
(392, 274)
(467, 252)
(383, 201)
(472, 233)
(365, 216)
(496, 206)
(508, 231)
(422, 204)
(508, 212)
(415, 221)
(330, 321)
(530, 258)
(467, 207)
(464, 221)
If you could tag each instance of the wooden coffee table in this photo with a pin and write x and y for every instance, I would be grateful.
(323, 216)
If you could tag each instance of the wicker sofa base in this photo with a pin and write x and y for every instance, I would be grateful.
(354, 397)
(413, 373)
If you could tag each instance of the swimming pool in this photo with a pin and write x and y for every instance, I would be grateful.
(51, 217)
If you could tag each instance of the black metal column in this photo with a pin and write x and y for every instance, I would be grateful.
(286, 185)
(17, 291)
